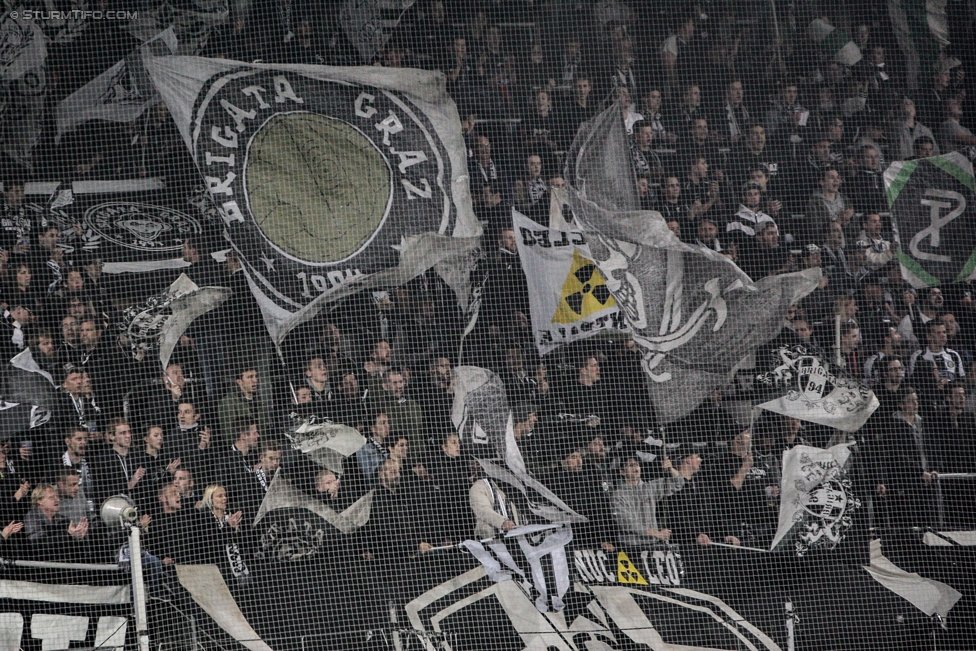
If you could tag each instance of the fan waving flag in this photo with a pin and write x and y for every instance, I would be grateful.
(327, 180)
(931, 204)
(568, 297)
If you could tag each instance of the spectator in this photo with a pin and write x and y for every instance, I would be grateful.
(708, 235)
(159, 465)
(866, 188)
(646, 161)
(494, 513)
(953, 135)
(170, 525)
(237, 467)
(826, 205)
(115, 470)
(13, 490)
(531, 191)
(673, 209)
(910, 461)
(74, 504)
(404, 413)
(703, 191)
(676, 44)
(743, 226)
(696, 142)
(51, 535)
(268, 463)
(948, 363)
(242, 403)
(216, 538)
(741, 494)
(579, 109)
(396, 528)
(905, 130)
(374, 452)
(582, 492)
(786, 122)
(733, 117)
(654, 115)
(635, 501)
(955, 430)
(752, 152)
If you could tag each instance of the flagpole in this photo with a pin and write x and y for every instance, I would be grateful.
(751, 549)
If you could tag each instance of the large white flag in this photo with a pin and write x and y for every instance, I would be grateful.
(328, 180)
(568, 296)
(816, 500)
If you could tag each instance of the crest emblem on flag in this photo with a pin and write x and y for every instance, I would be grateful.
(139, 226)
(807, 388)
(817, 499)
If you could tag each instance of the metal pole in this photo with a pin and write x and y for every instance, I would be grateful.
(138, 588)
(790, 627)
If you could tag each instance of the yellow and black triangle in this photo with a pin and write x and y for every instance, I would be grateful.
(584, 292)
(627, 572)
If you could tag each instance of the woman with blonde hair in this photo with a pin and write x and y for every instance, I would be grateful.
(218, 536)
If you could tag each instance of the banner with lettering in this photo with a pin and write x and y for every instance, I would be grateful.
(568, 296)
(327, 180)
(931, 204)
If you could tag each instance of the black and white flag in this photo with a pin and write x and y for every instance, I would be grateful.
(160, 321)
(24, 381)
(23, 85)
(23, 47)
(327, 180)
(485, 426)
(803, 384)
(932, 210)
(817, 501)
(369, 24)
(132, 225)
(695, 314)
(120, 94)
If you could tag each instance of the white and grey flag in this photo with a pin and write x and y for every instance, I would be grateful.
(817, 501)
(24, 381)
(327, 180)
(568, 296)
(23, 85)
(161, 320)
(804, 384)
(694, 313)
(369, 24)
(120, 94)
(23, 47)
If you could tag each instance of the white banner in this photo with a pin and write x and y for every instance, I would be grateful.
(816, 499)
(568, 296)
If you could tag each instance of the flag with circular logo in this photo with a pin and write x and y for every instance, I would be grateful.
(931, 204)
(327, 180)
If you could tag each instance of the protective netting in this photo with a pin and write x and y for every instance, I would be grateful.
(487, 325)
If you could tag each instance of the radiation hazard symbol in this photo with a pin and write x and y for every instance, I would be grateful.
(584, 292)
(627, 572)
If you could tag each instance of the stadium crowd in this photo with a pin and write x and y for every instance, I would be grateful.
(771, 155)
